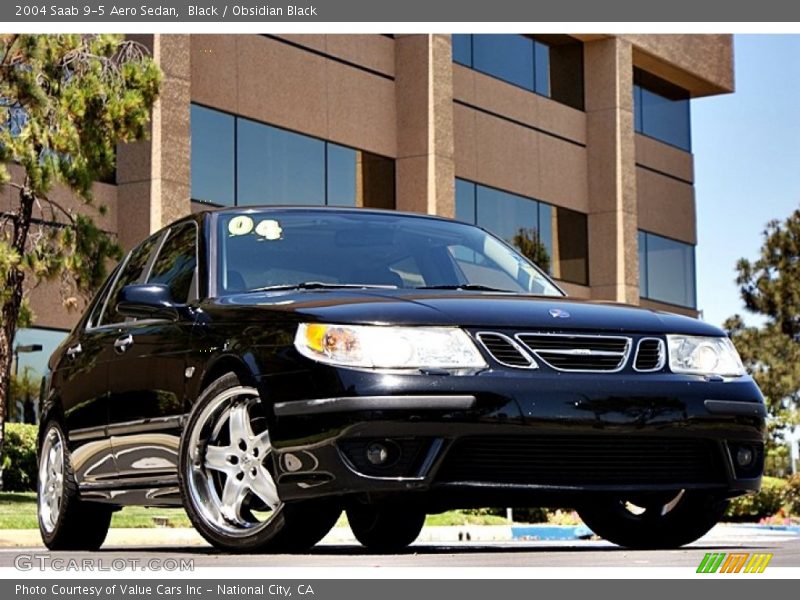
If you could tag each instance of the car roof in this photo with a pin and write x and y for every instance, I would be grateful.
(317, 209)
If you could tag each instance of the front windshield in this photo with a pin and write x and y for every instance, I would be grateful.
(328, 248)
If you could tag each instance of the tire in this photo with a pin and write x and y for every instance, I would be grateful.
(230, 494)
(385, 529)
(65, 521)
(306, 524)
(654, 521)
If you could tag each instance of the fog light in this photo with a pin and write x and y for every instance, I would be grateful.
(377, 454)
(744, 456)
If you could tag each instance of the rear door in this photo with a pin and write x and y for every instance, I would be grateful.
(146, 374)
(80, 381)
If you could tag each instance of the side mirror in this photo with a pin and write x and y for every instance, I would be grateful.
(148, 301)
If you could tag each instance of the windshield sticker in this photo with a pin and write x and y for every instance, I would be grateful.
(240, 225)
(269, 229)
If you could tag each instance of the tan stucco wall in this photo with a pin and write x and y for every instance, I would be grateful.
(277, 83)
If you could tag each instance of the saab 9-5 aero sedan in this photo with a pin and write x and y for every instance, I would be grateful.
(268, 368)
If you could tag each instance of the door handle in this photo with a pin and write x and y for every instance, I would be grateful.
(73, 351)
(121, 344)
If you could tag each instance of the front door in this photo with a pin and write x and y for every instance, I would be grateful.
(147, 373)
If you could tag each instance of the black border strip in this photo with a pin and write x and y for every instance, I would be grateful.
(665, 174)
(491, 113)
(337, 59)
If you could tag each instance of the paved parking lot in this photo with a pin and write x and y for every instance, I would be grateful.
(572, 553)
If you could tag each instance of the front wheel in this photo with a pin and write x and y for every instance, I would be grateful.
(227, 477)
(65, 521)
(649, 521)
(385, 528)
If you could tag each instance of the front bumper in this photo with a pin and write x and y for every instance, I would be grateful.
(509, 438)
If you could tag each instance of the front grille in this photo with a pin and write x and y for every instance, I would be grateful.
(571, 460)
(578, 352)
(505, 351)
(650, 355)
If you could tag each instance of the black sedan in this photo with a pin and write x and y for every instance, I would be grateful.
(267, 368)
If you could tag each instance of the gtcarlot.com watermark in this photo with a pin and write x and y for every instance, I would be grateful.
(46, 562)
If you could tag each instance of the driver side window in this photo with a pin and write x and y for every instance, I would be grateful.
(132, 272)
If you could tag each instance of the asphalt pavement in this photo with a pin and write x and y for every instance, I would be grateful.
(338, 552)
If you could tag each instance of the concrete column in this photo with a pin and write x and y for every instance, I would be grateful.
(613, 251)
(154, 175)
(425, 170)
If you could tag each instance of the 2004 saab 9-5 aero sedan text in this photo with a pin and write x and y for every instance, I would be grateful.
(268, 368)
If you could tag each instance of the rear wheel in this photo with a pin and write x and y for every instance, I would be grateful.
(385, 528)
(651, 521)
(227, 477)
(65, 521)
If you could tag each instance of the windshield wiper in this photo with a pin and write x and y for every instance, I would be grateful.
(462, 286)
(317, 285)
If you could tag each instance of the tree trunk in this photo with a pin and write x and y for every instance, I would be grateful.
(9, 314)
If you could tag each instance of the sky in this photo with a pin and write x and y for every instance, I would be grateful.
(747, 165)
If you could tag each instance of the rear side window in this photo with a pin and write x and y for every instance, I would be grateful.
(100, 300)
(132, 272)
(176, 262)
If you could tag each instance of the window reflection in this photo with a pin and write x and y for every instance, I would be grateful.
(555, 238)
(508, 57)
(666, 270)
(276, 166)
(212, 156)
(661, 110)
(30, 365)
(549, 65)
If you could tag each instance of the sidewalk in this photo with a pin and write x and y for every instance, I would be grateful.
(169, 537)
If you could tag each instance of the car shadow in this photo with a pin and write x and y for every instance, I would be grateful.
(432, 549)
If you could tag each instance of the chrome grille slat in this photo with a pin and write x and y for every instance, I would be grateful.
(505, 350)
(587, 353)
(651, 355)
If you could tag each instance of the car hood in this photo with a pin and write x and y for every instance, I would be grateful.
(459, 308)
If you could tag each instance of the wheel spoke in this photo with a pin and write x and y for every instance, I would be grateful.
(232, 497)
(263, 443)
(263, 486)
(217, 459)
(239, 424)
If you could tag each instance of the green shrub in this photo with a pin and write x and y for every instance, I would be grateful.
(764, 503)
(19, 458)
(792, 499)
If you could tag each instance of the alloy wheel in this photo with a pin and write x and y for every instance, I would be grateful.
(229, 477)
(51, 479)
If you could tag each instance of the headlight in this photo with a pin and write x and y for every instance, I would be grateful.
(378, 347)
(703, 356)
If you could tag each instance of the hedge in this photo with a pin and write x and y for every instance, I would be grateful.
(764, 503)
(19, 458)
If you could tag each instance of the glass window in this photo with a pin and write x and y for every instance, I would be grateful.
(176, 262)
(513, 218)
(549, 65)
(275, 166)
(212, 156)
(668, 270)
(132, 272)
(554, 238)
(100, 299)
(462, 49)
(284, 249)
(507, 57)
(661, 110)
(465, 201)
(541, 55)
(342, 174)
(31, 351)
